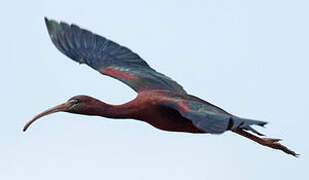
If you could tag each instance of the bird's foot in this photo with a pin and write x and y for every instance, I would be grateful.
(269, 142)
(273, 143)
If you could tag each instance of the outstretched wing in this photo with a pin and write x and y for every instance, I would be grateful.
(108, 57)
(209, 118)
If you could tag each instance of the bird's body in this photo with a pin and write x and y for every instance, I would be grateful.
(149, 107)
(160, 101)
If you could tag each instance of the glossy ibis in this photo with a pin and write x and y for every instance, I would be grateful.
(161, 101)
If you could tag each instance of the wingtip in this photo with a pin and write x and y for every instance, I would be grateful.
(53, 27)
(48, 24)
(47, 21)
(263, 123)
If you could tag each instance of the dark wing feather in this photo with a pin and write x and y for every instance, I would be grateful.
(108, 57)
(209, 118)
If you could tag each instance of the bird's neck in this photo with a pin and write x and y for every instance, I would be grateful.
(115, 111)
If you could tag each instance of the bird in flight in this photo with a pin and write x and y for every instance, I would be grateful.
(160, 101)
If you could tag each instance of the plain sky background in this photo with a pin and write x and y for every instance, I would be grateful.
(248, 57)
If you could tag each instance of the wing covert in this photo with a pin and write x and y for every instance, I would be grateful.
(108, 57)
(209, 118)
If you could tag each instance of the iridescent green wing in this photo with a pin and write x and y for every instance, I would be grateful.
(209, 118)
(108, 57)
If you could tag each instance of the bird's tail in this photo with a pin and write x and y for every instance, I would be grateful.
(243, 123)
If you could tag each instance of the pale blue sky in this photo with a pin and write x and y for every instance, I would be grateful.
(248, 57)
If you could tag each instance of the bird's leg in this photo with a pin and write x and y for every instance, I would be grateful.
(269, 142)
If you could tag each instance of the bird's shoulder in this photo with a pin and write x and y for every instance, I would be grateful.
(180, 102)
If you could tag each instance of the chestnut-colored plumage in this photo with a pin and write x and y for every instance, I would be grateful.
(161, 102)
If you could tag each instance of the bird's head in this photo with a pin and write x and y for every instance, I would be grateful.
(78, 104)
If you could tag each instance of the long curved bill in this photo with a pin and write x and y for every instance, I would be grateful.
(60, 107)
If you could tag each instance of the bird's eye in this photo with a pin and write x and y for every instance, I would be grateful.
(74, 101)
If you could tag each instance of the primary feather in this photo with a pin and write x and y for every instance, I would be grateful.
(108, 57)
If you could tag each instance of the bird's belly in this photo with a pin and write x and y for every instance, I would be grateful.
(168, 120)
